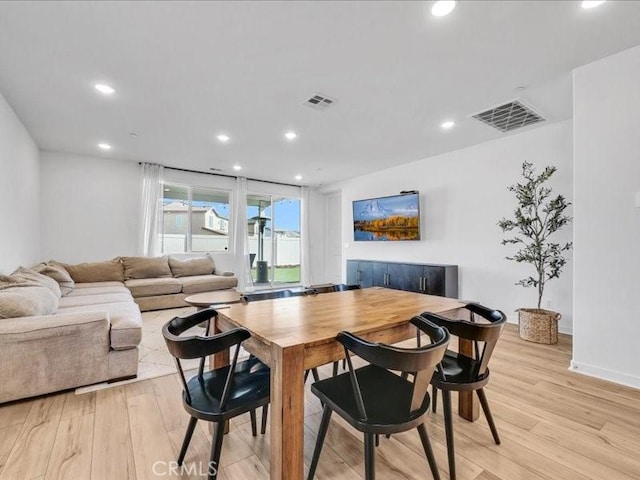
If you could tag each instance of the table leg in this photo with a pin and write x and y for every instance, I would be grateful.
(467, 401)
(218, 360)
(287, 413)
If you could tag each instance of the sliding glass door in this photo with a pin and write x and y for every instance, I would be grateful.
(274, 239)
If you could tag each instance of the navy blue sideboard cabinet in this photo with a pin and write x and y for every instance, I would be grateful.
(433, 279)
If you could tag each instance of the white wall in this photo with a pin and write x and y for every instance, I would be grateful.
(607, 219)
(463, 194)
(90, 207)
(19, 193)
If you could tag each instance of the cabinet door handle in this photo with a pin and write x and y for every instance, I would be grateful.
(388, 279)
(358, 276)
(424, 284)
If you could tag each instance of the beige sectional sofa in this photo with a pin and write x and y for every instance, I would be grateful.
(64, 326)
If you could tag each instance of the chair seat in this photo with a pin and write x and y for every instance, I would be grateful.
(386, 396)
(460, 373)
(250, 390)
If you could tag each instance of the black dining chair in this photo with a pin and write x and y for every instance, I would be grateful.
(341, 287)
(257, 296)
(459, 372)
(375, 400)
(220, 394)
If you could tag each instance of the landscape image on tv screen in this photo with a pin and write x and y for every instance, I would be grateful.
(387, 218)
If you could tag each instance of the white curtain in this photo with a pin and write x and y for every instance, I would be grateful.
(304, 234)
(240, 236)
(151, 216)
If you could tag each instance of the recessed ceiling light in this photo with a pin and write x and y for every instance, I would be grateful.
(105, 89)
(237, 167)
(448, 124)
(443, 8)
(223, 138)
(104, 146)
(592, 3)
(290, 135)
(298, 177)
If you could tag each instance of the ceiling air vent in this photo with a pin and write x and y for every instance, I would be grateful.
(509, 116)
(319, 102)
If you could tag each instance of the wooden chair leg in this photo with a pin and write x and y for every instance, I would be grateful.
(335, 368)
(306, 375)
(377, 440)
(434, 399)
(448, 426)
(316, 375)
(426, 444)
(322, 432)
(265, 413)
(487, 413)
(187, 439)
(369, 457)
(344, 363)
(216, 449)
(254, 428)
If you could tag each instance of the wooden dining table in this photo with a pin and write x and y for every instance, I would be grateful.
(294, 334)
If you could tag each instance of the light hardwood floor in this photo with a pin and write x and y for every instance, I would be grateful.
(554, 424)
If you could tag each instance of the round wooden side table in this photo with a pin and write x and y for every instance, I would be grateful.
(211, 299)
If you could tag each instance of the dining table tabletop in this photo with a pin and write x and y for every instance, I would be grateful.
(294, 334)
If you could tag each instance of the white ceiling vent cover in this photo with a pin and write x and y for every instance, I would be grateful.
(509, 116)
(319, 102)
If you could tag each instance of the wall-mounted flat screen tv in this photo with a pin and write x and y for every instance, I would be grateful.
(387, 218)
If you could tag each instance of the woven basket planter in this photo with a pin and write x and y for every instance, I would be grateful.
(538, 325)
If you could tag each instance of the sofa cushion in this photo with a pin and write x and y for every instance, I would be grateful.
(99, 284)
(146, 267)
(58, 273)
(147, 287)
(206, 283)
(26, 300)
(42, 280)
(78, 292)
(192, 266)
(125, 319)
(108, 271)
(95, 299)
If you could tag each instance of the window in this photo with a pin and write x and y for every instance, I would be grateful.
(194, 219)
(274, 239)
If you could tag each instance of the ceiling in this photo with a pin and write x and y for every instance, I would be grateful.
(188, 71)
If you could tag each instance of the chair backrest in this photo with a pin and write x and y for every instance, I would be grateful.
(196, 346)
(342, 287)
(486, 333)
(420, 362)
(313, 290)
(255, 297)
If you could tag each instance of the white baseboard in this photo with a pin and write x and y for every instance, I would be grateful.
(605, 374)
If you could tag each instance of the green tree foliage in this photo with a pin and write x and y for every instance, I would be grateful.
(536, 218)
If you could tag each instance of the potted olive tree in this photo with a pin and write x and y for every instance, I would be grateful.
(537, 217)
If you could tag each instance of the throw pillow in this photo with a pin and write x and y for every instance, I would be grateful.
(146, 267)
(56, 271)
(43, 280)
(192, 266)
(27, 301)
(109, 271)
